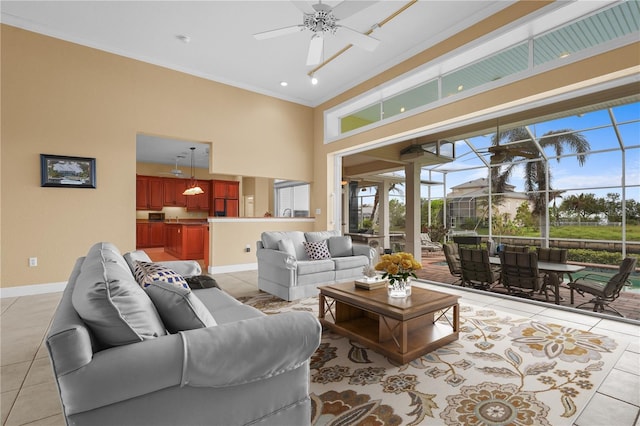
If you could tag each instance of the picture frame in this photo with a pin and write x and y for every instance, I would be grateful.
(64, 171)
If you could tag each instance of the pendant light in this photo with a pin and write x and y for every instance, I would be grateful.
(193, 188)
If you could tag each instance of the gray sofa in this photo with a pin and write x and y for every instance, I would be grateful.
(286, 269)
(168, 355)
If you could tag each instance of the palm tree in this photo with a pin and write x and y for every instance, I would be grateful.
(535, 172)
(376, 199)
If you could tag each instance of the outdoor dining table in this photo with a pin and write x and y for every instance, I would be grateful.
(550, 267)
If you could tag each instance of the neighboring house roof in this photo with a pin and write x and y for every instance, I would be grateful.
(480, 188)
(479, 183)
(483, 193)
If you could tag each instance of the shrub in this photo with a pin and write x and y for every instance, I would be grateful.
(601, 257)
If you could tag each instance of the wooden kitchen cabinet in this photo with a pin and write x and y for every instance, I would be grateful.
(149, 193)
(173, 239)
(186, 241)
(173, 189)
(200, 202)
(233, 208)
(149, 234)
(193, 242)
(225, 202)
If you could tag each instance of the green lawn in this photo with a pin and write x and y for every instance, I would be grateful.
(583, 232)
(610, 233)
(594, 232)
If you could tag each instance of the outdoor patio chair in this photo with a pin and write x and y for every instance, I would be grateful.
(519, 273)
(603, 289)
(427, 244)
(477, 272)
(453, 261)
(555, 255)
(467, 241)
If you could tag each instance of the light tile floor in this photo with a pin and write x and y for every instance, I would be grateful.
(29, 395)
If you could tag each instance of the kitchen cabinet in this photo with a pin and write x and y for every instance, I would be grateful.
(200, 202)
(186, 241)
(226, 198)
(149, 234)
(173, 189)
(149, 193)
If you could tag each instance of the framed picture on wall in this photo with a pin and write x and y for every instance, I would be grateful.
(67, 172)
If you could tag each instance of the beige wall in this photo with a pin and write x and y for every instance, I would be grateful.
(229, 238)
(62, 98)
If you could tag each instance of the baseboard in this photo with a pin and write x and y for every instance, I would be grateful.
(30, 290)
(232, 268)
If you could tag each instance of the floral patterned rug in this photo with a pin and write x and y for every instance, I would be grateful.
(503, 370)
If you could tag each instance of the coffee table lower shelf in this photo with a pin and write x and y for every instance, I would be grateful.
(401, 341)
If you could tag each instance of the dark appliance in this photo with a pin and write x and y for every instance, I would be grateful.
(156, 217)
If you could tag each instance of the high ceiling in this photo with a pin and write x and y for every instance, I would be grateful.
(221, 45)
(214, 40)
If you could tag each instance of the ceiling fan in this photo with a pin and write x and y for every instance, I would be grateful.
(176, 172)
(500, 153)
(321, 20)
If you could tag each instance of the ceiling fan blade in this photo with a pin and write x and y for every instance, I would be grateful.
(347, 8)
(279, 32)
(315, 49)
(304, 6)
(358, 39)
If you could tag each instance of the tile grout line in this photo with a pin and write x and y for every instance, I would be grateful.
(31, 362)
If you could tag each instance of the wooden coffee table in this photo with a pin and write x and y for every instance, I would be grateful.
(401, 329)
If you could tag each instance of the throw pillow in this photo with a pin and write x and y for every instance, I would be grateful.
(340, 246)
(146, 273)
(317, 250)
(287, 246)
(111, 302)
(178, 307)
(320, 235)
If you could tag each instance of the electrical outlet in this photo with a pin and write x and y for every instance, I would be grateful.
(247, 249)
(33, 261)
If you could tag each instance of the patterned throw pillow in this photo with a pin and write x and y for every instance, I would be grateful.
(146, 273)
(317, 250)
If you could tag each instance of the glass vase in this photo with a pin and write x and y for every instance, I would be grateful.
(399, 288)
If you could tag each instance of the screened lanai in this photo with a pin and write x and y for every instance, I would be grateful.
(578, 170)
(485, 150)
(568, 180)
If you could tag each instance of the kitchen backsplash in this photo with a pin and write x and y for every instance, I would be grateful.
(173, 213)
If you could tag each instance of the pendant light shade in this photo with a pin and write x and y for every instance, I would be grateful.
(193, 188)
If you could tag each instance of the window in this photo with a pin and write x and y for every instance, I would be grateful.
(291, 199)
(564, 31)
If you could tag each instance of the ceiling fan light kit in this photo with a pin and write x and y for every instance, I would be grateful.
(193, 188)
(176, 171)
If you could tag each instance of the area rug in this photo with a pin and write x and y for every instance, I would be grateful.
(503, 370)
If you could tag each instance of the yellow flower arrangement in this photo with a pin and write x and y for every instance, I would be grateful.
(398, 266)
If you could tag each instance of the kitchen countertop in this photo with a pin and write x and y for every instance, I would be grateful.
(190, 222)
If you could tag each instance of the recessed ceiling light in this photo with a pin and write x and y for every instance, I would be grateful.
(564, 55)
(284, 83)
(402, 109)
(460, 88)
(183, 38)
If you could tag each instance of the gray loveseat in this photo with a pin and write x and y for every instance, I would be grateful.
(286, 269)
(167, 355)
